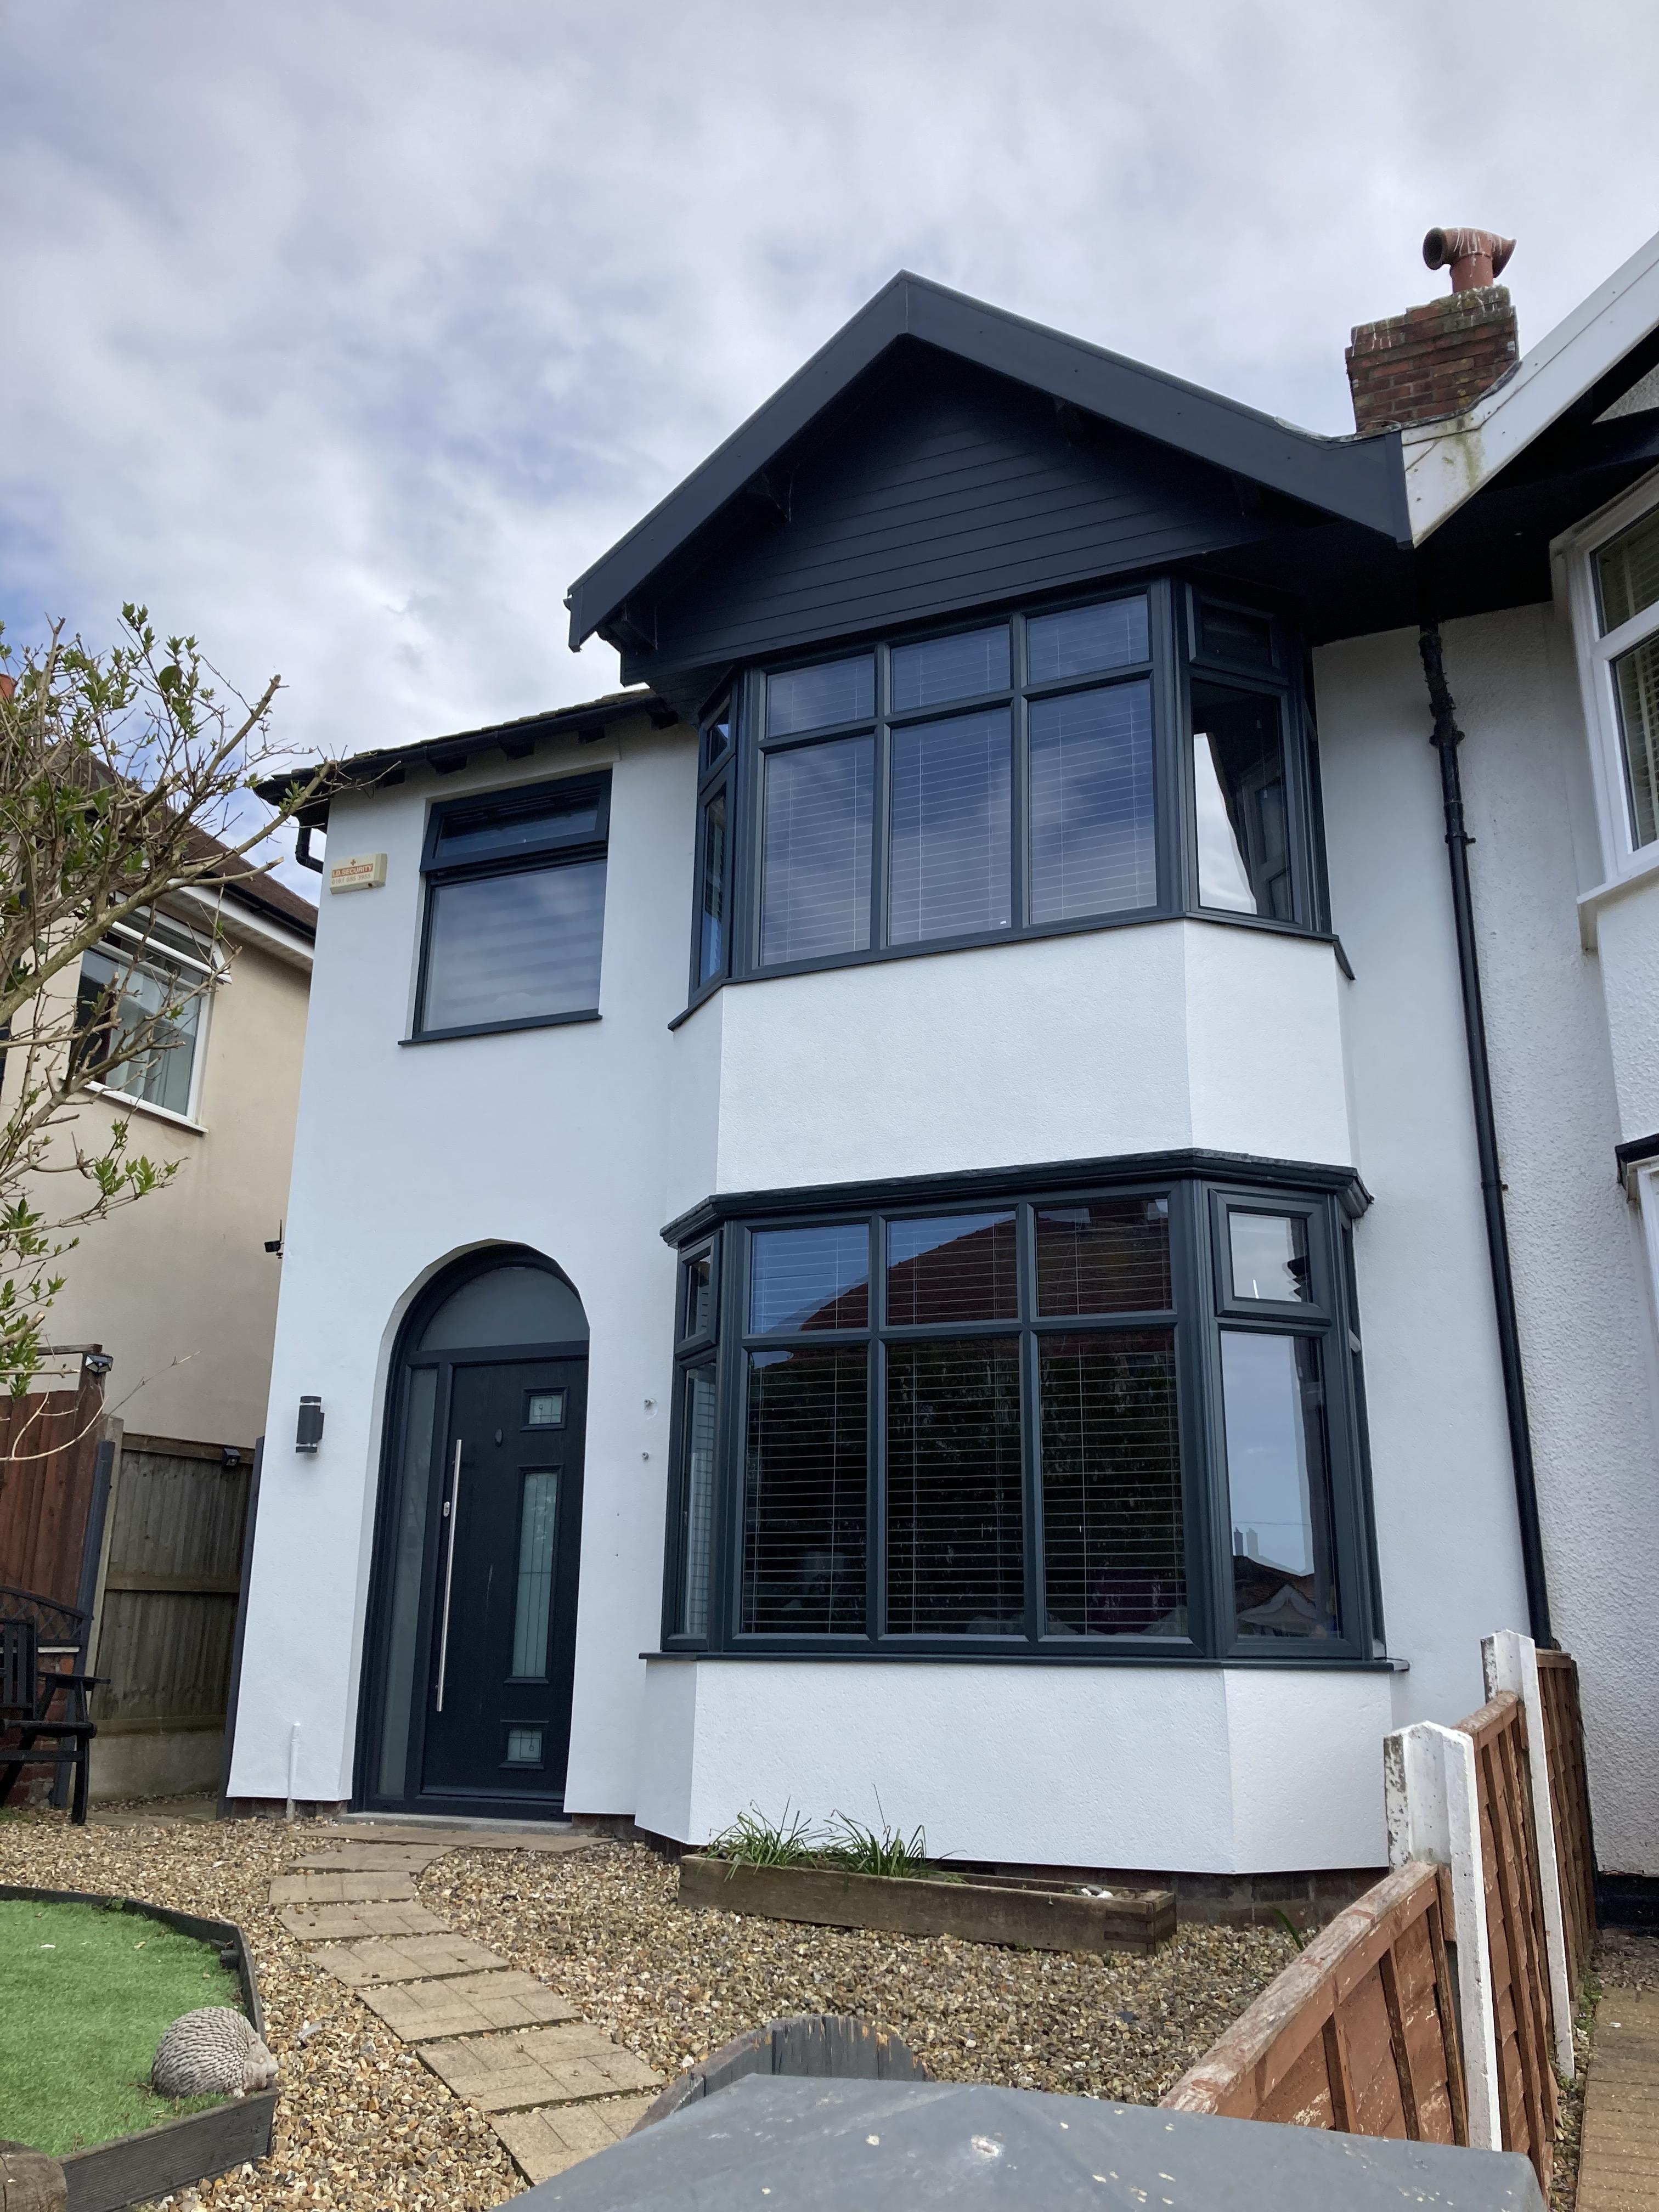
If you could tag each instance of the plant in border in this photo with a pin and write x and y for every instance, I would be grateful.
(885, 1850)
(753, 1841)
(124, 782)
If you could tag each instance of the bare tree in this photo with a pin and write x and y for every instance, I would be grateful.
(124, 778)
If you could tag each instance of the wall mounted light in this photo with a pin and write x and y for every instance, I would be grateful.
(309, 1433)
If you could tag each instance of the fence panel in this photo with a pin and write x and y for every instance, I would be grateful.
(1358, 2034)
(1574, 1846)
(1527, 2090)
(169, 1599)
(49, 1445)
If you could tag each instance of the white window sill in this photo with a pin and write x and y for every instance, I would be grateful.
(1642, 868)
(126, 1104)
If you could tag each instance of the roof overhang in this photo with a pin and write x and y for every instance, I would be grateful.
(515, 740)
(1356, 480)
(1568, 379)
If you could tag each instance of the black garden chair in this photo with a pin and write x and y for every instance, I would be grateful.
(36, 1635)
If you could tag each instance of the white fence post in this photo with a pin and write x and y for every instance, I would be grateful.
(1434, 1813)
(1510, 1661)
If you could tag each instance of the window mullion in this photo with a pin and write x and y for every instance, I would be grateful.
(881, 804)
(1030, 1429)
(1019, 834)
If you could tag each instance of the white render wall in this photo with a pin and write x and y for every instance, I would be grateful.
(582, 1141)
(1196, 1769)
(1439, 1445)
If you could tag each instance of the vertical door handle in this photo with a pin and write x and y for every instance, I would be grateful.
(449, 1573)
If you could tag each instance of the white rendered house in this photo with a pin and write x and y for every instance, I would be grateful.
(947, 1201)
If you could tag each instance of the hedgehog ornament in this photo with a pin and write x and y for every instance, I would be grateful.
(211, 2052)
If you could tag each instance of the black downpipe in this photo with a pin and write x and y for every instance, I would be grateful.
(1446, 739)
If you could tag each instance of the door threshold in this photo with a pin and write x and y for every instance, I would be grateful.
(494, 1822)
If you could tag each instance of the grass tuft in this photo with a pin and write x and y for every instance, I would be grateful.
(753, 1841)
(88, 1994)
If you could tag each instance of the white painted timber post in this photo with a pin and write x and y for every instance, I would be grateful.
(1510, 1661)
(1434, 1814)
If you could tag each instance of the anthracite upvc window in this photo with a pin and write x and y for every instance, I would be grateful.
(1119, 1420)
(1141, 753)
(514, 921)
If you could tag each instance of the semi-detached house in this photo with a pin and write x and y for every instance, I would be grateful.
(1000, 1192)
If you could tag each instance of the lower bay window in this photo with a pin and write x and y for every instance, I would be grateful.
(1111, 1418)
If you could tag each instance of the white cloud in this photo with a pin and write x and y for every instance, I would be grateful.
(347, 333)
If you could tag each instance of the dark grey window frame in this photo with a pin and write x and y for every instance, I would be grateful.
(1199, 1188)
(1174, 661)
(555, 850)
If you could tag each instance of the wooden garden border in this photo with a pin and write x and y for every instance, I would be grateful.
(984, 1910)
(1360, 2035)
(133, 2169)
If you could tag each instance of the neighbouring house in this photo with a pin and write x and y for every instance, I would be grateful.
(173, 1300)
(1000, 1194)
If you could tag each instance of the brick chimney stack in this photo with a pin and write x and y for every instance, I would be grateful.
(1436, 361)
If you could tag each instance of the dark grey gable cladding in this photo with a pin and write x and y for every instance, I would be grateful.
(946, 488)
(1358, 480)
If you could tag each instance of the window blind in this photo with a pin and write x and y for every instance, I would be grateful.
(1112, 1538)
(963, 1268)
(951, 854)
(513, 947)
(1110, 1256)
(699, 1507)
(814, 863)
(955, 1513)
(1636, 680)
(805, 1490)
(1094, 847)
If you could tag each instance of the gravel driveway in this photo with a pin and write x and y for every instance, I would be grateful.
(363, 2125)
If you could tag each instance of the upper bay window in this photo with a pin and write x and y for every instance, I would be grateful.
(514, 908)
(1138, 754)
(1119, 1419)
(1617, 618)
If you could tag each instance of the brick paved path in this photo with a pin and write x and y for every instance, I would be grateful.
(1619, 2162)
(554, 2087)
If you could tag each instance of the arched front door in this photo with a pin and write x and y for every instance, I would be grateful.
(473, 1622)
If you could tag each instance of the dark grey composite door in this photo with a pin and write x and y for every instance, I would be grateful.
(503, 1646)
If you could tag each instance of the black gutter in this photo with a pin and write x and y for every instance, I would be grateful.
(1446, 739)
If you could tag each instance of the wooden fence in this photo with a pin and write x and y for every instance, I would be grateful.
(1371, 2029)
(1522, 2021)
(49, 1445)
(167, 1611)
(1360, 2034)
(1570, 1807)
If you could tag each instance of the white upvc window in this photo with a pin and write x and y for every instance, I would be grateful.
(152, 975)
(1613, 576)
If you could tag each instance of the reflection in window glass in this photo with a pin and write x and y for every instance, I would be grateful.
(1278, 1485)
(815, 865)
(956, 1544)
(963, 1268)
(1110, 1256)
(1093, 837)
(1238, 788)
(698, 1507)
(1269, 1254)
(409, 1550)
(941, 669)
(1627, 573)
(1084, 640)
(805, 1479)
(1230, 634)
(1114, 1547)
(533, 1601)
(716, 737)
(711, 945)
(951, 854)
(516, 947)
(810, 1277)
(117, 1004)
(816, 698)
(699, 1319)
(1635, 686)
(516, 822)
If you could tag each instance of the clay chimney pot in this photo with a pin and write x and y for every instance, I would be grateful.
(1477, 257)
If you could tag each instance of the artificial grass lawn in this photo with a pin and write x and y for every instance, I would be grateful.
(85, 1996)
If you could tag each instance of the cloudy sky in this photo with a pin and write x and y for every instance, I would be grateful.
(346, 334)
